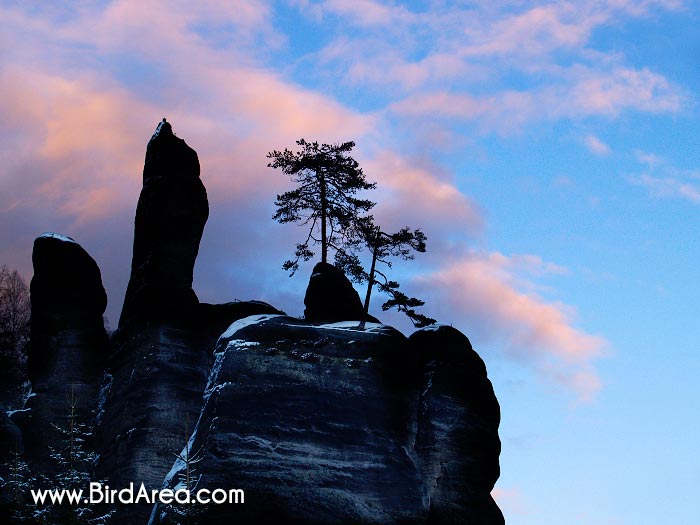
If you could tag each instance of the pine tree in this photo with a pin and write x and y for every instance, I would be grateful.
(401, 244)
(324, 200)
(188, 478)
(75, 460)
(16, 482)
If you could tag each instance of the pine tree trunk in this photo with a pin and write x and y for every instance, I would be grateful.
(324, 240)
(365, 310)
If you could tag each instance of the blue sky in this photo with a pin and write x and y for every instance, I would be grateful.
(547, 149)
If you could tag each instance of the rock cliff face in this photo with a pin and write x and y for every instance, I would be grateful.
(170, 218)
(69, 345)
(316, 421)
(457, 429)
(328, 424)
(163, 348)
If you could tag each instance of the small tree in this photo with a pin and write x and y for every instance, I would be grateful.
(14, 335)
(75, 461)
(188, 478)
(324, 200)
(401, 244)
(16, 482)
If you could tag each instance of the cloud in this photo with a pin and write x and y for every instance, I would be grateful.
(596, 146)
(584, 93)
(663, 180)
(485, 294)
(416, 190)
(83, 89)
(650, 159)
(511, 501)
(456, 63)
(669, 187)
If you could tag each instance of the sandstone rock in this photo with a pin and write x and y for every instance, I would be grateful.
(457, 433)
(68, 342)
(170, 218)
(215, 318)
(157, 374)
(10, 438)
(315, 423)
(330, 296)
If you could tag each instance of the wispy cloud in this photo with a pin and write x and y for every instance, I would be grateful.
(490, 292)
(662, 180)
(451, 61)
(596, 146)
(672, 187)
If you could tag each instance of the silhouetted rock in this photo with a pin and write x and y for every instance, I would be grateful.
(317, 421)
(68, 341)
(457, 434)
(323, 424)
(157, 375)
(330, 296)
(215, 318)
(170, 218)
(313, 422)
(10, 437)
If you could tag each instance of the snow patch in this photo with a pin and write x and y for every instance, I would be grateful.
(432, 328)
(241, 343)
(353, 326)
(57, 236)
(214, 375)
(105, 388)
(246, 321)
(10, 413)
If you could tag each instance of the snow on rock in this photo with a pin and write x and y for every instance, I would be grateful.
(246, 321)
(241, 343)
(57, 236)
(354, 326)
(433, 327)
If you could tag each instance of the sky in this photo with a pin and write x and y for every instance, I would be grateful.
(547, 149)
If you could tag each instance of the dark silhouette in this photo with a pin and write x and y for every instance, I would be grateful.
(401, 244)
(316, 422)
(327, 180)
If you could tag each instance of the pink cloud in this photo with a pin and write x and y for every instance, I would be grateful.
(72, 128)
(586, 92)
(76, 136)
(368, 12)
(485, 293)
(414, 195)
(511, 502)
(539, 30)
(622, 88)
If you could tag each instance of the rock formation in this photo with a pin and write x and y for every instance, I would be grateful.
(457, 429)
(317, 421)
(170, 218)
(10, 437)
(163, 348)
(69, 345)
(314, 422)
(324, 424)
(330, 296)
